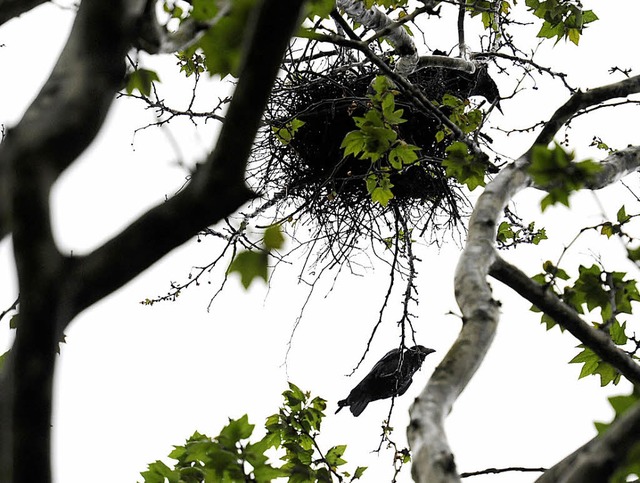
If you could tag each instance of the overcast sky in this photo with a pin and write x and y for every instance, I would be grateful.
(133, 380)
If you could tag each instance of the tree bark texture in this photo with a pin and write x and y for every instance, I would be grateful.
(433, 460)
(57, 127)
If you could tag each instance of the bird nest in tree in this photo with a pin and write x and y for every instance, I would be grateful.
(299, 153)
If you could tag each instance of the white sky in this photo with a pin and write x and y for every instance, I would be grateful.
(132, 381)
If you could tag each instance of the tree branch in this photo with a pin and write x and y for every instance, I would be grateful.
(13, 8)
(597, 460)
(217, 188)
(598, 341)
(374, 19)
(580, 100)
(60, 123)
(433, 459)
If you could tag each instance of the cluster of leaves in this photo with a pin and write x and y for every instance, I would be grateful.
(562, 18)
(460, 164)
(468, 120)
(466, 167)
(232, 457)
(285, 133)
(376, 139)
(511, 234)
(553, 170)
(594, 288)
(252, 264)
(631, 466)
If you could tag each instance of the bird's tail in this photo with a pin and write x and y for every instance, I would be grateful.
(358, 406)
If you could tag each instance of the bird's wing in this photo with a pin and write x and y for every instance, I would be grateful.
(386, 366)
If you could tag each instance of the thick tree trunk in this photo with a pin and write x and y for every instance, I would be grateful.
(57, 127)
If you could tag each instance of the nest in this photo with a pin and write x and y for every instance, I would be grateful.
(310, 170)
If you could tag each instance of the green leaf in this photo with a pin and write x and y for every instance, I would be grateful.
(250, 265)
(273, 238)
(617, 333)
(574, 35)
(157, 473)
(622, 216)
(334, 455)
(505, 232)
(379, 187)
(359, 472)
(592, 364)
(552, 169)
(142, 81)
(319, 8)
(222, 44)
(286, 133)
(403, 154)
(235, 431)
(353, 143)
(463, 166)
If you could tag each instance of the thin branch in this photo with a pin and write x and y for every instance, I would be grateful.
(14, 306)
(496, 471)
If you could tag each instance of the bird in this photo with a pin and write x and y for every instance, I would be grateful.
(391, 376)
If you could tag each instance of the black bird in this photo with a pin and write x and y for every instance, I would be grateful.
(391, 376)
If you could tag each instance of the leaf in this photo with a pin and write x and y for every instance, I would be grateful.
(359, 472)
(574, 35)
(379, 187)
(617, 333)
(607, 229)
(463, 166)
(222, 44)
(157, 473)
(353, 143)
(286, 133)
(235, 431)
(552, 169)
(334, 455)
(403, 154)
(592, 364)
(141, 80)
(622, 216)
(273, 238)
(505, 232)
(250, 265)
(319, 8)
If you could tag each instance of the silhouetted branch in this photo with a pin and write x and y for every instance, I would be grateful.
(597, 340)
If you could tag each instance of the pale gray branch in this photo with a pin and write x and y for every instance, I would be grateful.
(433, 460)
(374, 19)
